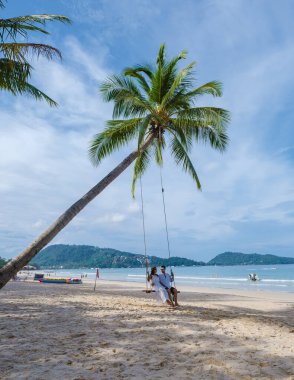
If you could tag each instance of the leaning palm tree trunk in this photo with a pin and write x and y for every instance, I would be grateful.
(10, 269)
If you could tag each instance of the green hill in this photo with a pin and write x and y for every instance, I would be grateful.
(2, 262)
(237, 258)
(85, 256)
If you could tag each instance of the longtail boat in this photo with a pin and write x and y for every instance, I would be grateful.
(48, 280)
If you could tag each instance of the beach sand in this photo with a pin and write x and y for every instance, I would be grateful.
(50, 331)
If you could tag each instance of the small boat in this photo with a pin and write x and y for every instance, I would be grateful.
(47, 280)
(253, 277)
(74, 281)
(38, 276)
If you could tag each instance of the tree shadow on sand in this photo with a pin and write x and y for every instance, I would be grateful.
(50, 333)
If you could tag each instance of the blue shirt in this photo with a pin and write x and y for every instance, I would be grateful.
(166, 280)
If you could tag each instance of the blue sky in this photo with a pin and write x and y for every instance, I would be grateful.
(247, 202)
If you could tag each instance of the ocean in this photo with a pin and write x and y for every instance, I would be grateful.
(272, 277)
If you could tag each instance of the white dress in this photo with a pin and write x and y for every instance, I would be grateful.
(161, 293)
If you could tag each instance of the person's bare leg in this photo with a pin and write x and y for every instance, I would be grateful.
(170, 303)
(170, 296)
(176, 297)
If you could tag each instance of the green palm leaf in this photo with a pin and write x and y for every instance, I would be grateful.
(202, 116)
(13, 27)
(15, 68)
(117, 134)
(19, 51)
(142, 132)
(213, 88)
(135, 73)
(34, 92)
(159, 146)
(128, 100)
(178, 80)
(13, 75)
(140, 167)
(181, 157)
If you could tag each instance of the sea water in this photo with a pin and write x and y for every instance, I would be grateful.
(272, 277)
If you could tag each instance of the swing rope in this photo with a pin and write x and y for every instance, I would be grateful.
(144, 233)
(165, 219)
(144, 229)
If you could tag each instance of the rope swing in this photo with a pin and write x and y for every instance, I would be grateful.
(165, 218)
(144, 235)
(148, 290)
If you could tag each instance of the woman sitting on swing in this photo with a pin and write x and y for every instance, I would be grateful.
(160, 290)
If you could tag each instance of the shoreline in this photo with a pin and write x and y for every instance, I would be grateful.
(120, 332)
(189, 288)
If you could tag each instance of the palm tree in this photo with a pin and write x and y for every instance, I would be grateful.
(15, 69)
(157, 108)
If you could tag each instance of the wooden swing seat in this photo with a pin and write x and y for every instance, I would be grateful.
(148, 291)
(153, 291)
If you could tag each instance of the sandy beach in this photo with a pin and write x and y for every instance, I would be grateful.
(53, 331)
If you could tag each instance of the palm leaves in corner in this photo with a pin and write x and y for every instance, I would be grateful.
(158, 103)
(15, 68)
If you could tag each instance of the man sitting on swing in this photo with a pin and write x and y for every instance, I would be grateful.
(166, 280)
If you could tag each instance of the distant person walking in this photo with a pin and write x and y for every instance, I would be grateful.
(166, 281)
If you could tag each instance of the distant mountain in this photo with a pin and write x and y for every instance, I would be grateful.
(85, 256)
(237, 258)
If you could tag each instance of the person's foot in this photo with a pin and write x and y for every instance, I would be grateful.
(176, 304)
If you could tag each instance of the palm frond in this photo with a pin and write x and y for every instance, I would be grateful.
(155, 93)
(129, 71)
(19, 51)
(159, 146)
(128, 100)
(213, 88)
(13, 75)
(202, 116)
(116, 134)
(160, 60)
(13, 30)
(30, 90)
(14, 78)
(181, 157)
(207, 124)
(158, 81)
(15, 68)
(178, 80)
(178, 102)
(12, 27)
(216, 136)
(140, 167)
(143, 127)
(145, 69)
(185, 136)
(170, 71)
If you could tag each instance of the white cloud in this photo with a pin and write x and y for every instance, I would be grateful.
(111, 218)
(134, 207)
